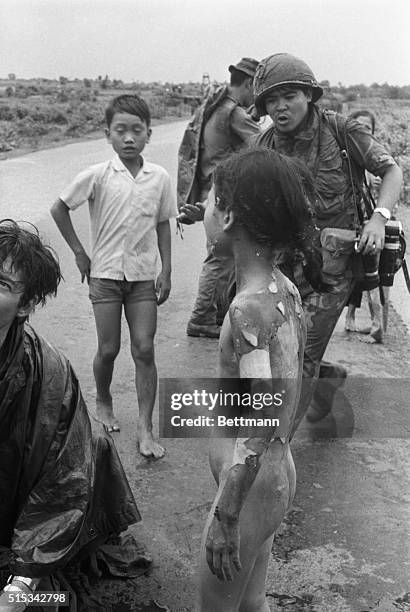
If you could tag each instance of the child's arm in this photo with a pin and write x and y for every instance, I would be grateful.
(163, 284)
(252, 341)
(61, 215)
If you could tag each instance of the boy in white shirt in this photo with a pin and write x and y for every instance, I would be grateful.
(130, 204)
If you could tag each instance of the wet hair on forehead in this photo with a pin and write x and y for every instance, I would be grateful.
(26, 255)
(128, 103)
(364, 113)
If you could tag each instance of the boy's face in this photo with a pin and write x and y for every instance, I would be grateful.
(11, 291)
(287, 107)
(128, 135)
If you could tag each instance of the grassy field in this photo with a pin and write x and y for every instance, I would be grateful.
(392, 129)
(39, 113)
(36, 115)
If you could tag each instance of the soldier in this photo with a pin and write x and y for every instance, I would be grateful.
(286, 89)
(219, 127)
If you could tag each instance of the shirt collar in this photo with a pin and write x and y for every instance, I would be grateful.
(117, 165)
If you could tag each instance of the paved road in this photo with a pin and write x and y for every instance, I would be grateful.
(345, 544)
(29, 183)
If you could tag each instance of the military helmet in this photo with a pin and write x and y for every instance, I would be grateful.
(282, 69)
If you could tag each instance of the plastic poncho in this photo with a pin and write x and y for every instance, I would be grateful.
(62, 486)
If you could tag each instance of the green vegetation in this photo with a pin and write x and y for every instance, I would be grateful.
(392, 129)
(37, 113)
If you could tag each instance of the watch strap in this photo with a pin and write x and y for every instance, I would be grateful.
(384, 212)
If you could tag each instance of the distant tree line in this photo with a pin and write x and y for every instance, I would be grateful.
(346, 93)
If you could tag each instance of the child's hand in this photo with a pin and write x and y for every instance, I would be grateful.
(222, 549)
(84, 265)
(162, 287)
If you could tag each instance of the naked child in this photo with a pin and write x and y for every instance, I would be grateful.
(257, 209)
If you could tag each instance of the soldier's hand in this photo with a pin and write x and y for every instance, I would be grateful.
(372, 238)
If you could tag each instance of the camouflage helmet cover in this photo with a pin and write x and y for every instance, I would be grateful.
(282, 69)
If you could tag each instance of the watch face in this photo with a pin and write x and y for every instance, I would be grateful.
(384, 212)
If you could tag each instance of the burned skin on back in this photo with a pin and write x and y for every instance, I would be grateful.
(262, 338)
(268, 319)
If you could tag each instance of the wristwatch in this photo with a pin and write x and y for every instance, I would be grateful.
(384, 212)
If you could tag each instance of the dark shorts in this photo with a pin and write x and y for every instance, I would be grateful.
(122, 291)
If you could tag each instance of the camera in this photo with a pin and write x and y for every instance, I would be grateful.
(391, 256)
(370, 271)
(373, 270)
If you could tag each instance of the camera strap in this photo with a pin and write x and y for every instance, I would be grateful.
(406, 274)
(357, 175)
(361, 192)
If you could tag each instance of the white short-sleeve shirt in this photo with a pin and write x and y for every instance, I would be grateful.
(124, 214)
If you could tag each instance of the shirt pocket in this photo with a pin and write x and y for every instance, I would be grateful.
(148, 204)
(332, 185)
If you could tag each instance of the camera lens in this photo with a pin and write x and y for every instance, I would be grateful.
(371, 271)
(390, 253)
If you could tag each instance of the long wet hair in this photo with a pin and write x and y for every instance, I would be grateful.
(270, 195)
(36, 263)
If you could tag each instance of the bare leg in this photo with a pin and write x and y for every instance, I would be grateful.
(261, 515)
(254, 599)
(108, 323)
(376, 314)
(350, 323)
(142, 323)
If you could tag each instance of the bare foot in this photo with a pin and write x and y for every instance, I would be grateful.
(148, 447)
(364, 330)
(370, 340)
(105, 414)
(350, 324)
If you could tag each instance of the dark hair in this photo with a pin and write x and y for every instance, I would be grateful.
(35, 262)
(128, 103)
(271, 197)
(364, 113)
(238, 77)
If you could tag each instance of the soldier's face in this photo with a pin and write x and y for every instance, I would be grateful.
(287, 107)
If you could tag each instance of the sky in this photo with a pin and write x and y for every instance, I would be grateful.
(346, 41)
